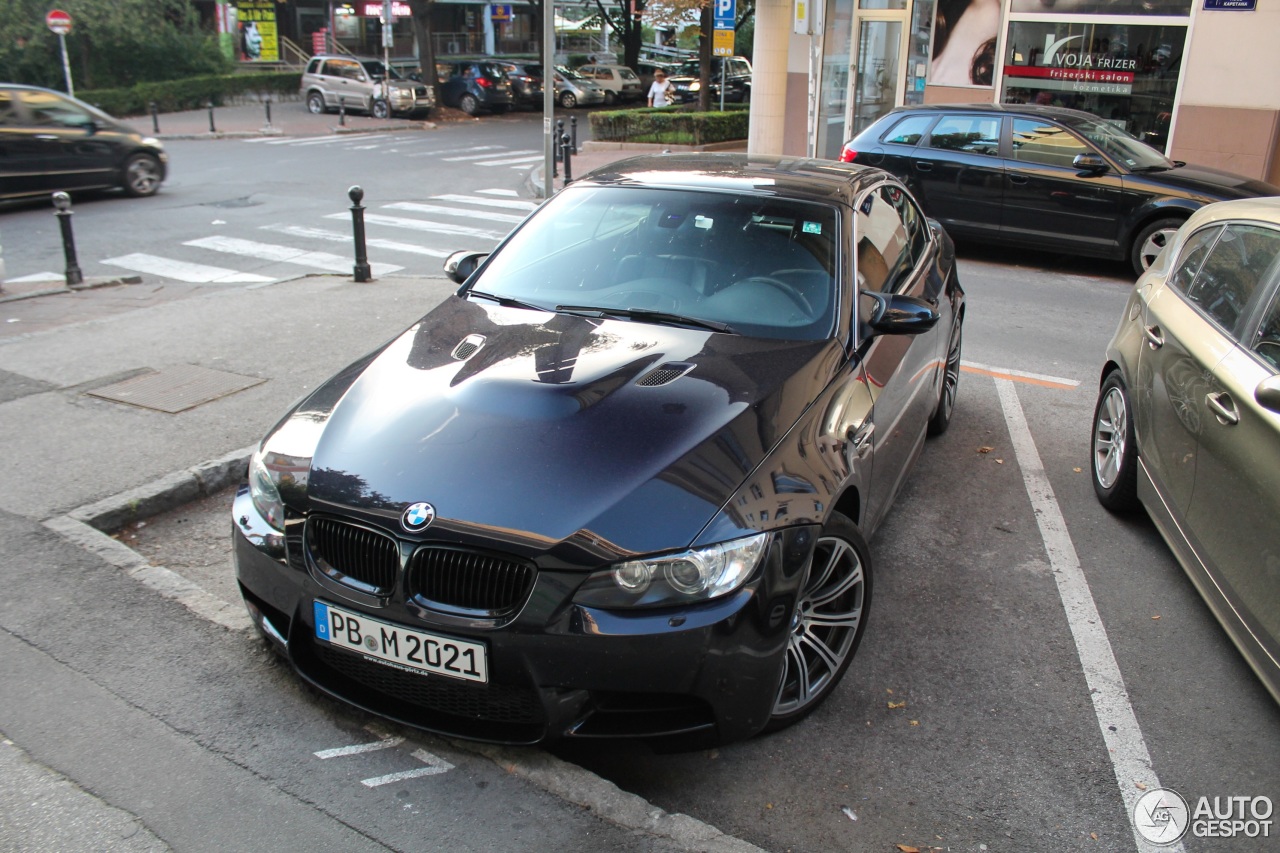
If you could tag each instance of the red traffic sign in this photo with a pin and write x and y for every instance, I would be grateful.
(58, 21)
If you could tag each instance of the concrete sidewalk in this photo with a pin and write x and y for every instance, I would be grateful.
(288, 118)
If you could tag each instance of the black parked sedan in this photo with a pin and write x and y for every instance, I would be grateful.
(620, 483)
(1043, 177)
(51, 142)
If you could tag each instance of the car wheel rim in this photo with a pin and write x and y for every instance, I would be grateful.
(142, 176)
(1109, 438)
(824, 626)
(1155, 241)
(951, 379)
(315, 104)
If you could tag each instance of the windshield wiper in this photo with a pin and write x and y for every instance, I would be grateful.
(646, 314)
(505, 301)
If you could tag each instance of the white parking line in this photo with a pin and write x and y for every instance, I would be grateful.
(360, 748)
(1126, 746)
(434, 766)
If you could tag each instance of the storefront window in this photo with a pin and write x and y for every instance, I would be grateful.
(1125, 73)
(918, 51)
(836, 53)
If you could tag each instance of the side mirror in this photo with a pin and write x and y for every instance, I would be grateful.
(1090, 163)
(1268, 393)
(460, 265)
(901, 315)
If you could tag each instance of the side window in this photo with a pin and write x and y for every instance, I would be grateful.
(909, 130)
(974, 134)
(8, 114)
(883, 247)
(1194, 251)
(53, 111)
(313, 67)
(1044, 143)
(912, 220)
(1267, 342)
(1229, 276)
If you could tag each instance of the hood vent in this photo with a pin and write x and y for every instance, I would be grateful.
(664, 374)
(470, 346)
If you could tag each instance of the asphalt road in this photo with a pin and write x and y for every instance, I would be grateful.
(987, 709)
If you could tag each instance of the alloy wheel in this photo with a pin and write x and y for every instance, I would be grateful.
(1110, 433)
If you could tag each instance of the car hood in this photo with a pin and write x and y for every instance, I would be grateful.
(628, 437)
(1213, 183)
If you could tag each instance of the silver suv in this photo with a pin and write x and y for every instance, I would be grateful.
(356, 83)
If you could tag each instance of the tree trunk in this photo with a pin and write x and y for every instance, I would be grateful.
(421, 10)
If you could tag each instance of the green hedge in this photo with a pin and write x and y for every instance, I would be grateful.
(671, 126)
(191, 93)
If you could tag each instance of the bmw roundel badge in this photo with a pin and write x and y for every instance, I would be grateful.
(417, 516)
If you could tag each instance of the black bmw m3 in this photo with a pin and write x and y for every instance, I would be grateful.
(620, 483)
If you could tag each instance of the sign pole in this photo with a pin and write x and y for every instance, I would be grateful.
(66, 66)
(549, 141)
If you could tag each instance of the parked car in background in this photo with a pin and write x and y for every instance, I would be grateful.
(686, 82)
(356, 84)
(1043, 177)
(51, 142)
(526, 85)
(620, 483)
(620, 83)
(1187, 423)
(574, 90)
(474, 86)
(644, 70)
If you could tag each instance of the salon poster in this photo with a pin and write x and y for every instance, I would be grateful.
(256, 26)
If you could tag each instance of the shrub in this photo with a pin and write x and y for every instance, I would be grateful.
(671, 126)
(192, 93)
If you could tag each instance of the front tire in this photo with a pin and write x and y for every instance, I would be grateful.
(315, 104)
(1114, 450)
(609, 98)
(141, 175)
(468, 104)
(1149, 242)
(828, 624)
(380, 109)
(950, 383)
(568, 100)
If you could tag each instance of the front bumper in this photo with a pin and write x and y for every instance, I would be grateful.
(701, 674)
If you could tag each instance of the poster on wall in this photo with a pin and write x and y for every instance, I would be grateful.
(964, 43)
(256, 25)
(1102, 7)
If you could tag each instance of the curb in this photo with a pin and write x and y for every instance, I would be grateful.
(87, 284)
(275, 131)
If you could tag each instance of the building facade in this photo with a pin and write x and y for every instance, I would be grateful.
(1194, 78)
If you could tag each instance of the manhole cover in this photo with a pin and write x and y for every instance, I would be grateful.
(176, 389)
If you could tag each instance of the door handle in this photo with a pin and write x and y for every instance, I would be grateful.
(1018, 179)
(1223, 408)
(46, 137)
(1155, 340)
(861, 438)
(922, 166)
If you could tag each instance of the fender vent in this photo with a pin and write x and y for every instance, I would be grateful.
(664, 374)
(470, 346)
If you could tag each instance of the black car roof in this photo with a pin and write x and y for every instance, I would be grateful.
(1038, 110)
(791, 177)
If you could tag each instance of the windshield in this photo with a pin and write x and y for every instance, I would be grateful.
(759, 266)
(375, 69)
(1119, 145)
(565, 72)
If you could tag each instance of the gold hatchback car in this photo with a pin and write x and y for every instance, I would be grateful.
(1187, 423)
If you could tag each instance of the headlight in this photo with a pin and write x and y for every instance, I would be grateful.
(671, 580)
(263, 491)
(695, 86)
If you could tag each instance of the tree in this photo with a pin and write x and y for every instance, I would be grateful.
(110, 45)
(624, 19)
(421, 12)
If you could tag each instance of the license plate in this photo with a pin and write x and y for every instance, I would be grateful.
(401, 647)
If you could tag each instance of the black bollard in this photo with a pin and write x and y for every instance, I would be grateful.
(342, 113)
(62, 202)
(155, 117)
(362, 270)
(212, 129)
(573, 125)
(566, 148)
(267, 104)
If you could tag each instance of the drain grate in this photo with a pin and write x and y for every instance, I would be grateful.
(176, 389)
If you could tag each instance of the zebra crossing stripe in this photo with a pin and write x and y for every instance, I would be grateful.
(184, 271)
(422, 225)
(504, 193)
(340, 237)
(489, 202)
(509, 161)
(285, 254)
(482, 156)
(486, 215)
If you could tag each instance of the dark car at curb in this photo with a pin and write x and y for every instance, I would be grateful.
(686, 81)
(51, 142)
(620, 483)
(1043, 177)
(475, 86)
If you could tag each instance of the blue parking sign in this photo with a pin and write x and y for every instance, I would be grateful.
(726, 11)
